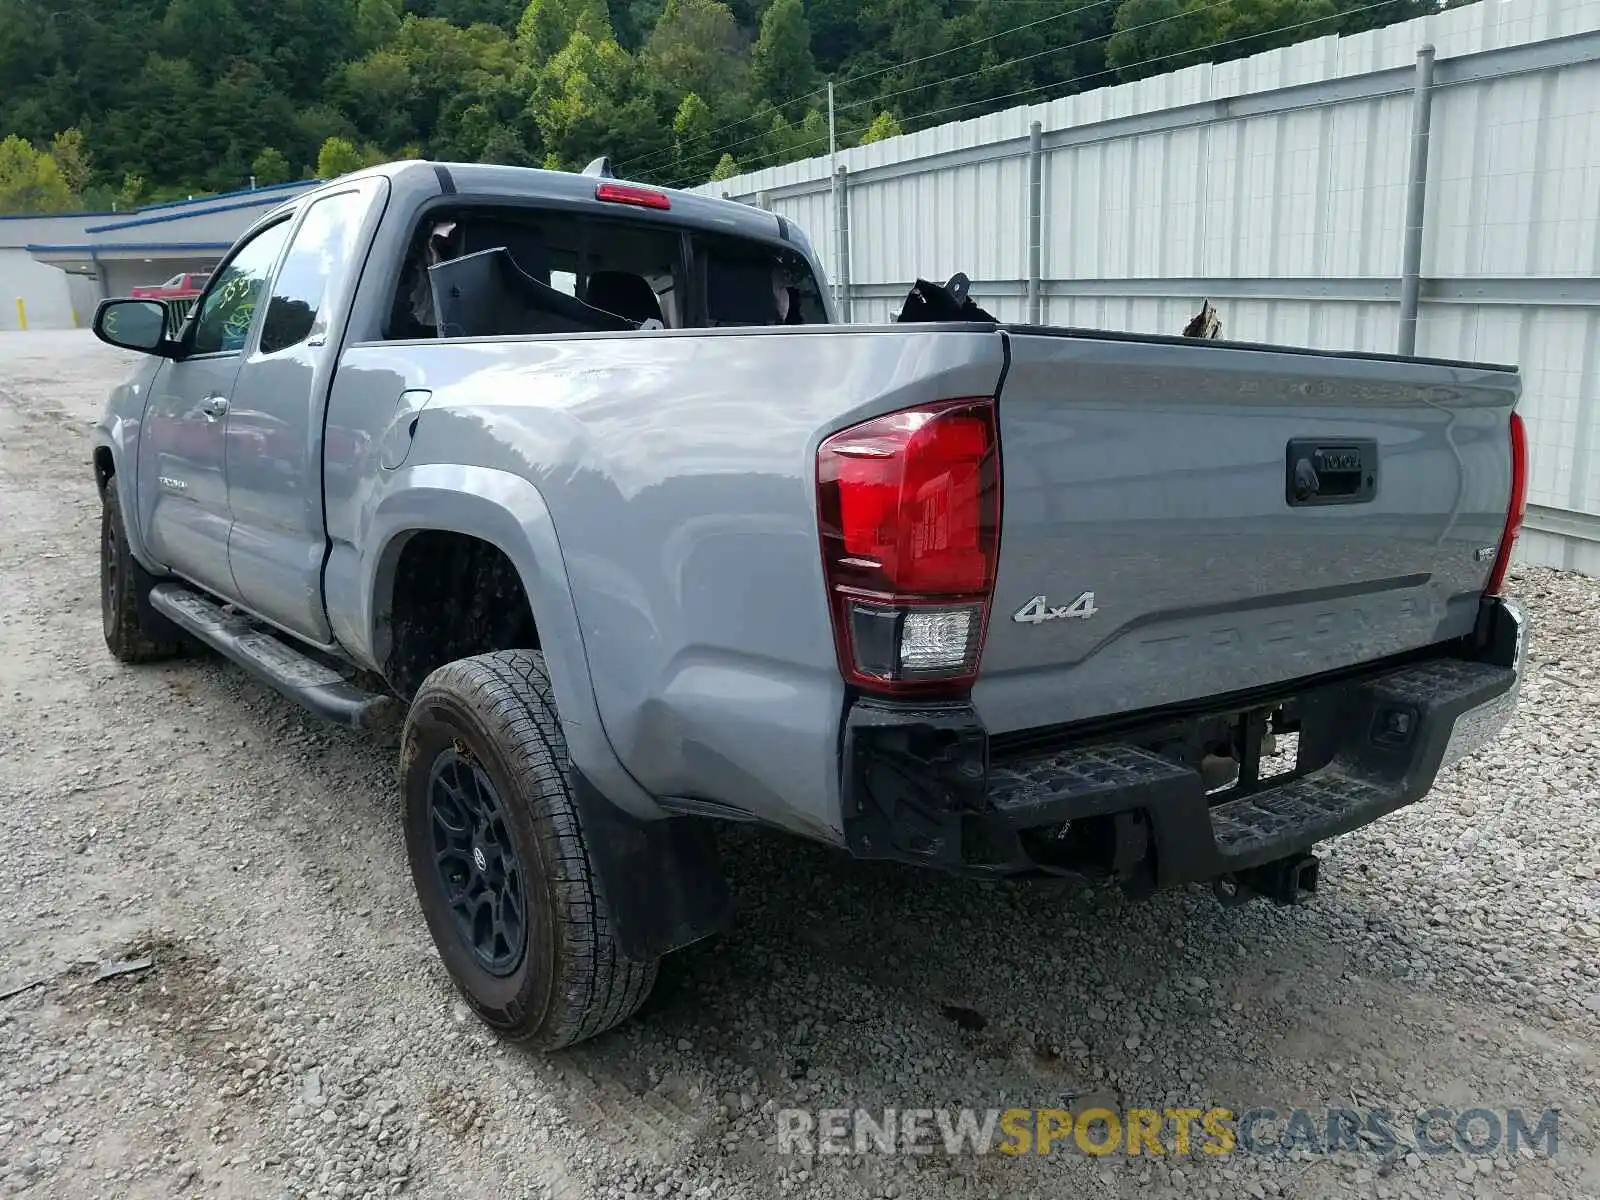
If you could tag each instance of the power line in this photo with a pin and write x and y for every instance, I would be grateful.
(921, 87)
(911, 62)
(659, 157)
(1249, 37)
(728, 149)
(1194, 50)
(821, 140)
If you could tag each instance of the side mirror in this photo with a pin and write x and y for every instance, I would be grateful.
(134, 325)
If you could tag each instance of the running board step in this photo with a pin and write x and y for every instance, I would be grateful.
(304, 680)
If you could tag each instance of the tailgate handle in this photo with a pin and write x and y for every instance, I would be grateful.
(1330, 472)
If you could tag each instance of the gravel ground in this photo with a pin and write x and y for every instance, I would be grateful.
(295, 1035)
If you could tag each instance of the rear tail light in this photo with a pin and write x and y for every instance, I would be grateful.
(627, 193)
(909, 510)
(1517, 510)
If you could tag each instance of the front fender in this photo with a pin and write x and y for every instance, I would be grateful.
(117, 433)
(118, 437)
(508, 512)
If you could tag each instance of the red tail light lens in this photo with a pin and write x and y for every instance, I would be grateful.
(1517, 510)
(909, 509)
(625, 193)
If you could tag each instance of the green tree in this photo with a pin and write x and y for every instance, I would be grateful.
(883, 126)
(270, 167)
(692, 126)
(131, 193)
(503, 144)
(1151, 36)
(470, 12)
(241, 112)
(376, 22)
(694, 48)
(378, 92)
(207, 33)
(548, 25)
(1254, 26)
(778, 143)
(781, 67)
(30, 180)
(784, 142)
(173, 152)
(298, 44)
(581, 98)
(1154, 36)
(72, 157)
(339, 156)
(727, 167)
(312, 127)
(464, 87)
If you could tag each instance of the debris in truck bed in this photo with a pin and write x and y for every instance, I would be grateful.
(1204, 324)
(947, 302)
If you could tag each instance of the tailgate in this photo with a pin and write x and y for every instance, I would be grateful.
(1201, 518)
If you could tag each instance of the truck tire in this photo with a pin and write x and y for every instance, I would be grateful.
(134, 632)
(511, 897)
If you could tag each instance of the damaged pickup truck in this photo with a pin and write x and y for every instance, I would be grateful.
(581, 478)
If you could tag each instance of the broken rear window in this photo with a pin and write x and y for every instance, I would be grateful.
(476, 272)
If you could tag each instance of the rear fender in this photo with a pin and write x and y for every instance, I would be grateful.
(508, 512)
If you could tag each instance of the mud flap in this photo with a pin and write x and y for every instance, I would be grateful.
(663, 879)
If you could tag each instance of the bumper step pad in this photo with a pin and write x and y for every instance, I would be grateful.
(1394, 733)
(1095, 779)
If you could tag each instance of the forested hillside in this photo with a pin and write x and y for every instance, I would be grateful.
(130, 101)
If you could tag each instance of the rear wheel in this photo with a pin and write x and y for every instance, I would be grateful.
(499, 860)
(134, 633)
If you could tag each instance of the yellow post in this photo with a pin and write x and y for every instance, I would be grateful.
(74, 318)
(22, 314)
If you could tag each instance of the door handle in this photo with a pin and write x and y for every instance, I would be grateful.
(214, 407)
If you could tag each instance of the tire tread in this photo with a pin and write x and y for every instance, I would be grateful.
(596, 987)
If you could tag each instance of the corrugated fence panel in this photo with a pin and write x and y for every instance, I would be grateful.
(897, 234)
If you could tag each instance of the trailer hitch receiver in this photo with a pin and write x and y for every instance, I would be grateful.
(1289, 880)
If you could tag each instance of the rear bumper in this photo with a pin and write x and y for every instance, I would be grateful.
(926, 785)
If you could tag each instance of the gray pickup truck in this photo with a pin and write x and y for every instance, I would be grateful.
(583, 480)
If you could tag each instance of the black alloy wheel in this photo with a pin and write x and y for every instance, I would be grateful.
(480, 873)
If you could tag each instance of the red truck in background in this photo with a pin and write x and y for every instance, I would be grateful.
(180, 287)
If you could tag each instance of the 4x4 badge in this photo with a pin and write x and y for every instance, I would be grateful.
(1038, 610)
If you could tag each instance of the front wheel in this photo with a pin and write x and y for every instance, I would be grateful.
(498, 856)
(134, 633)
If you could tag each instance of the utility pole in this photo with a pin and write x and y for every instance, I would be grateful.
(1416, 199)
(833, 175)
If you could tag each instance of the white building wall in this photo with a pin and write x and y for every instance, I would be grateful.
(45, 291)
